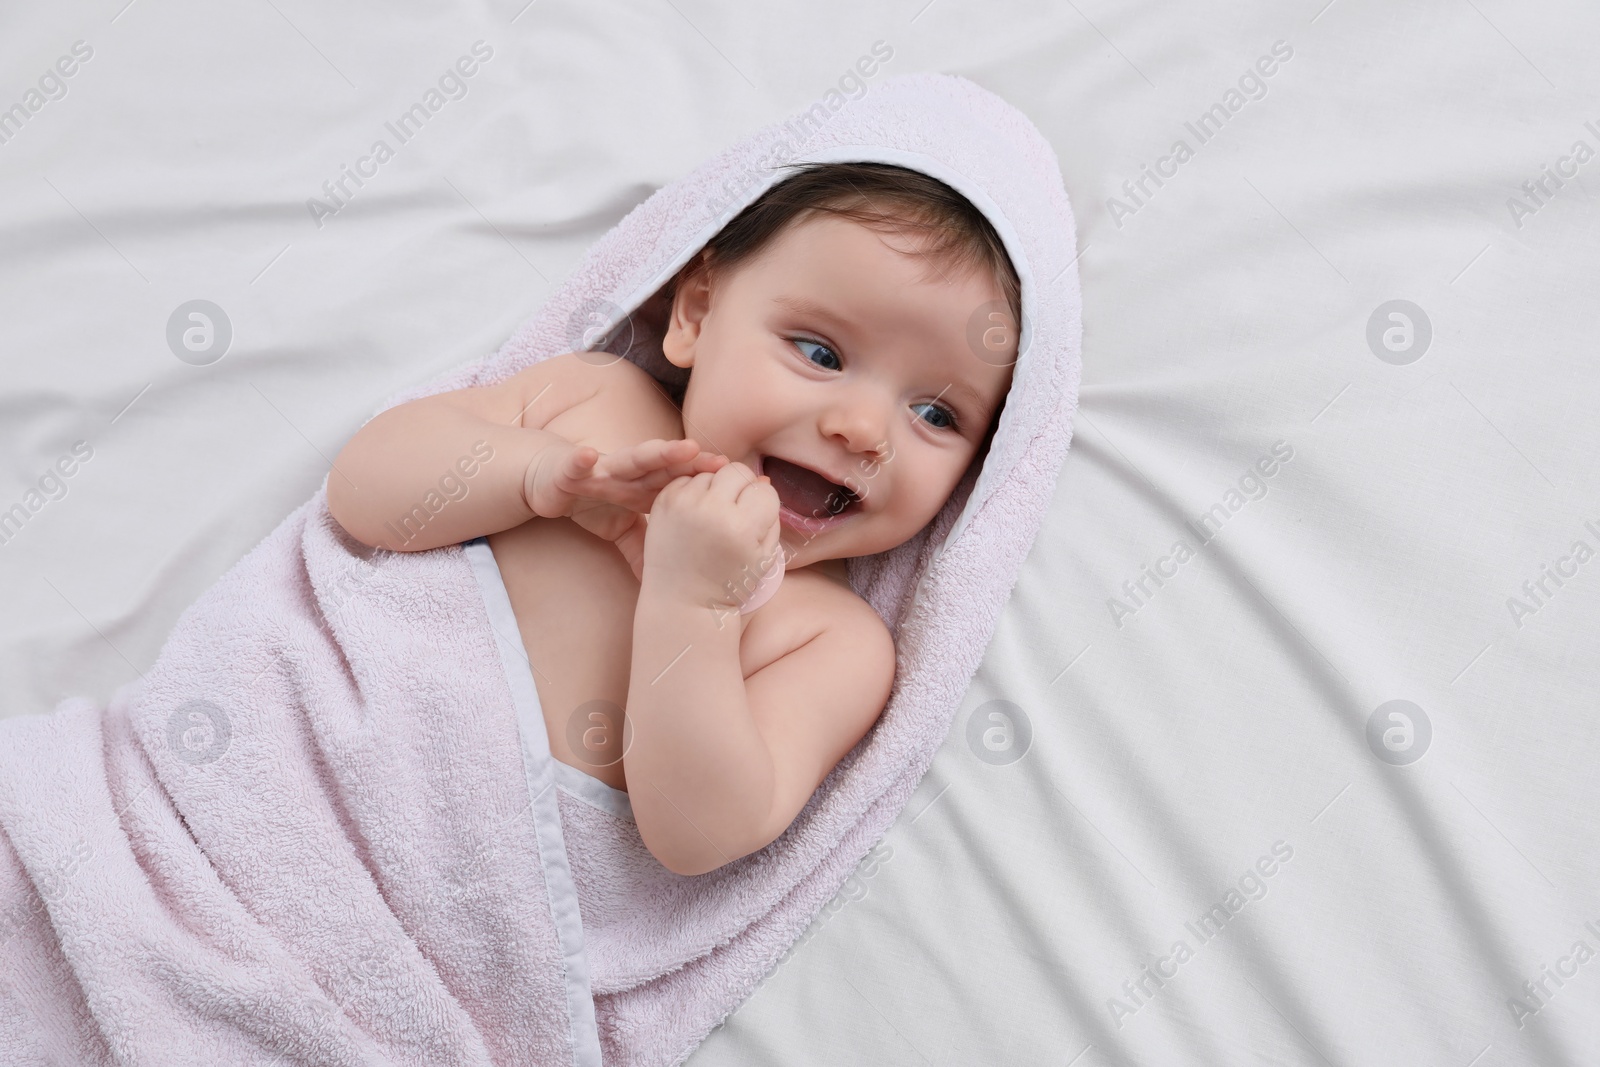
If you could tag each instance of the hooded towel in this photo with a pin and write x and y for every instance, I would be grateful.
(304, 836)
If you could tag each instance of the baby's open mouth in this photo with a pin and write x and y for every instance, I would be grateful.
(805, 492)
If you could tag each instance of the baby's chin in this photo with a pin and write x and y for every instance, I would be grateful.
(800, 554)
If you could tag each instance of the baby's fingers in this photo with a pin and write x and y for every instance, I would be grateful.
(628, 464)
(704, 463)
(576, 465)
(668, 459)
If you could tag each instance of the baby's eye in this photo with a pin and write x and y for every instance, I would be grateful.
(818, 345)
(949, 416)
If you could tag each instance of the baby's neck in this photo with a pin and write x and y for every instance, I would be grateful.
(833, 568)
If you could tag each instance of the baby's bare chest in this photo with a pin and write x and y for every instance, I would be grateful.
(574, 610)
(574, 598)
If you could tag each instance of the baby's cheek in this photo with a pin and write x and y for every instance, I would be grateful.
(932, 493)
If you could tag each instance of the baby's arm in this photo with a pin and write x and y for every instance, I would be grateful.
(721, 762)
(450, 467)
(465, 452)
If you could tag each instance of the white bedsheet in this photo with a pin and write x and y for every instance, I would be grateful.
(1414, 541)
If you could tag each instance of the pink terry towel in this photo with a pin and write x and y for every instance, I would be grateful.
(324, 828)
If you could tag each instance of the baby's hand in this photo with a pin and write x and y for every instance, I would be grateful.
(708, 532)
(565, 482)
(608, 493)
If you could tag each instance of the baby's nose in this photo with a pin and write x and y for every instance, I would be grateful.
(860, 423)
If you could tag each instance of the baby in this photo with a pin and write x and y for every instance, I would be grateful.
(848, 339)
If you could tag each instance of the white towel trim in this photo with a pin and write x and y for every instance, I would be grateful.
(540, 768)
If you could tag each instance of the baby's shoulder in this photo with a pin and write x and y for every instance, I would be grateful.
(616, 402)
(812, 605)
(604, 370)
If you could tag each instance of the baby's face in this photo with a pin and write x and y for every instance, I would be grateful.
(833, 351)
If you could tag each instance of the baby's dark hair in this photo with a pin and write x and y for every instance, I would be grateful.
(885, 197)
(882, 196)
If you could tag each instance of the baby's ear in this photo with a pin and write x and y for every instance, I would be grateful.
(691, 300)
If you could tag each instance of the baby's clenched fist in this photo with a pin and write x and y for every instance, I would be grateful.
(710, 532)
